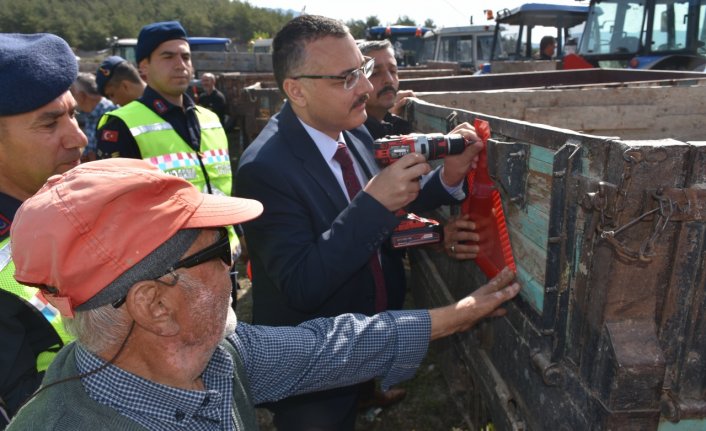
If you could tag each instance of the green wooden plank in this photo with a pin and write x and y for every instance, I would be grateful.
(541, 159)
(532, 291)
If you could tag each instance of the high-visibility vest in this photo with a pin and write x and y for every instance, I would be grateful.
(31, 297)
(162, 146)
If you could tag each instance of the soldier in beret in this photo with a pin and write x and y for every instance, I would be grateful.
(164, 126)
(119, 81)
(39, 137)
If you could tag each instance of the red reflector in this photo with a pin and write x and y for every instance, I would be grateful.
(484, 206)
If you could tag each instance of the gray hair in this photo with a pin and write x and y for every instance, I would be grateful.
(86, 83)
(374, 45)
(101, 328)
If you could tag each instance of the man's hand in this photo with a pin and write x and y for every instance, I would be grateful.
(457, 232)
(484, 302)
(398, 184)
(401, 101)
(456, 167)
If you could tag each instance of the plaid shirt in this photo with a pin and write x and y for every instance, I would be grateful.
(91, 122)
(279, 362)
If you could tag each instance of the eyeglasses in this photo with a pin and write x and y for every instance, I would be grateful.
(351, 78)
(219, 249)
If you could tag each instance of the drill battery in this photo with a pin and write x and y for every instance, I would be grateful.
(414, 230)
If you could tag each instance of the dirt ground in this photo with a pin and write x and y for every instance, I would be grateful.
(427, 406)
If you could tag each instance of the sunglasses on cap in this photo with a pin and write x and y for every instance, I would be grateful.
(219, 249)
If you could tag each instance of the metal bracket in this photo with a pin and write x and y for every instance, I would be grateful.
(662, 206)
(686, 204)
(451, 121)
(508, 165)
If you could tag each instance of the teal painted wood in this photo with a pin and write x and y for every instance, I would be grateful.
(533, 222)
(532, 291)
(683, 425)
(541, 159)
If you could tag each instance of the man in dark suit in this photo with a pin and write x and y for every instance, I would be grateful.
(319, 249)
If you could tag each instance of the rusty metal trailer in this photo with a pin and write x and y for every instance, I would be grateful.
(608, 235)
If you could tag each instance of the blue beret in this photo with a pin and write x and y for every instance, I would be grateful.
(105, 71)
(153, 35)
(34, 70)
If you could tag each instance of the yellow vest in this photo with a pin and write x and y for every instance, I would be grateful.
(162, 146)
(30, 296)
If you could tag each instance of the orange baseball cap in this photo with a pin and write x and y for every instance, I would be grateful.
(87, 227)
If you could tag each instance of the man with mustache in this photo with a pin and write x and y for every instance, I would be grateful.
(319, 248)
(39, 137)
(385, 102)
(385, 97)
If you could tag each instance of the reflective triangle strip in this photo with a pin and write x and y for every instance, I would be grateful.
(147, 128)
(174, 160)
(35, 299)
(215, 156)
(48, 311)
(5, 255)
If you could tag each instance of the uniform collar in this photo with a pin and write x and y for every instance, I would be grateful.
(8, 208)
(153, 100)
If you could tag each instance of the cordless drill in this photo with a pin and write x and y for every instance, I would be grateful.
(414, 230)
(432, 145)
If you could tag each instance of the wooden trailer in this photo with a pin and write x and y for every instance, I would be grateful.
(608, 235)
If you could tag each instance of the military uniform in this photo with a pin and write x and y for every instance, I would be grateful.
(30, 328)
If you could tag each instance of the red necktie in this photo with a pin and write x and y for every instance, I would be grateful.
(350, 179)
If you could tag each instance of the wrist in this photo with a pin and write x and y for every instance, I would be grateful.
(449, 180)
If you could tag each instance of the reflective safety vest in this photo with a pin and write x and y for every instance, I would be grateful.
(162, 146)
(208, 169)
(31, 296)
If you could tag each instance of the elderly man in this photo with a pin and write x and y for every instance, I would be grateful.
(211, 97)
(39, 137)
(140, 261)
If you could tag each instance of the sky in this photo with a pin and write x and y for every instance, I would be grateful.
(445, 13)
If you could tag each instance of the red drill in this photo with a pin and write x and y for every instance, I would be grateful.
(432, 145)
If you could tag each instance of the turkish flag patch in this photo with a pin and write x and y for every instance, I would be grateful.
(109, 135)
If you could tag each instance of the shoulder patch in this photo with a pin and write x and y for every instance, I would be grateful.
(159, 106)
(109, 135)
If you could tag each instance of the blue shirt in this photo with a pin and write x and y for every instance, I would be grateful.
(279, 362)
(91, 122)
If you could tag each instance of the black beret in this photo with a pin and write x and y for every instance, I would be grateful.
(34, 70)
(153, 35)
(105, 71)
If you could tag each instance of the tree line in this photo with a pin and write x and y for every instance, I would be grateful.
(91, 25)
